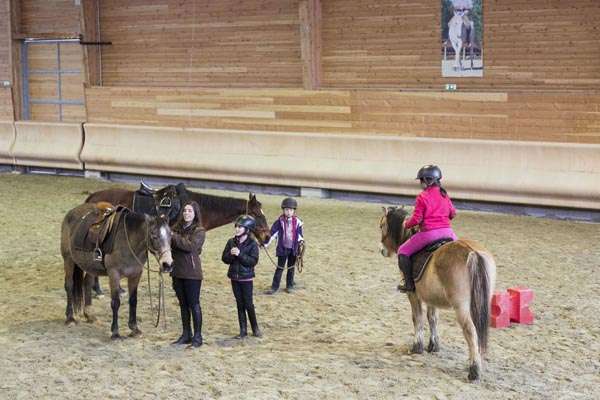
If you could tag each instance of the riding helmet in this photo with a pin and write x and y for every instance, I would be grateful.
(289, 202)
(431, 173)
(246, 221)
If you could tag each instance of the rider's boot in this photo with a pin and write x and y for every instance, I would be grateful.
(197, 318)
(186, 335)
(405, 266)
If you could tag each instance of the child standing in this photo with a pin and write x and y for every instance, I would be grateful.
(433, 212)
(288, 229)
(241, 253)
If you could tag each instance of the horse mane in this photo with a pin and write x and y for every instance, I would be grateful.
(395, 219)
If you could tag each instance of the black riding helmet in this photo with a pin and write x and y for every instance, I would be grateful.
(247, 222)
(430, 174)
(289, 202)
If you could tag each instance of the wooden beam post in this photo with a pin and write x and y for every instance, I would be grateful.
(15, 58)
(310, 43)
(90, 29)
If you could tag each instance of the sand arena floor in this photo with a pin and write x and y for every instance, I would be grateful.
(344, 335)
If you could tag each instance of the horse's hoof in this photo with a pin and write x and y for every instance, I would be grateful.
(70, 322)
(116, 336)
(433, 347)
(417, 348)
(134, 333)
(474, 374)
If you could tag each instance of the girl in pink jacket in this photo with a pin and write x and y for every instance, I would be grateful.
(433, 212)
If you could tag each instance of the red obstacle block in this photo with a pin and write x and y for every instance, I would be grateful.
(500, 310)
(520, 298)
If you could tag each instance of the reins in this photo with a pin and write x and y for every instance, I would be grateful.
(161, 281)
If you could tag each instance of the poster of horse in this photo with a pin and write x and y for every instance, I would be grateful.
(462, 33)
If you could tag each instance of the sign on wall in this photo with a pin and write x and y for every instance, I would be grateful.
(462, 34)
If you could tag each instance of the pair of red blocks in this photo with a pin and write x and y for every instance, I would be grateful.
(512, 306)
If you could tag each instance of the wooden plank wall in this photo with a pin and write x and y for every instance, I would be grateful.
(528, 44)
(49, 18)
(6, 109)
(557, 117)
(225, 43)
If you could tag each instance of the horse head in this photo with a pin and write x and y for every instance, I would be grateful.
(159, 240)
(392, 230)
(262, 230)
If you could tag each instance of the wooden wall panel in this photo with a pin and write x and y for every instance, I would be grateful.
(225, 43)
(6, 104)
(555, 117)
(528, 44)
(5, 38)
(57, 18)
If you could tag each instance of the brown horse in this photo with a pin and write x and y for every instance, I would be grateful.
(459, 275)
(132, 235)
(216, 210)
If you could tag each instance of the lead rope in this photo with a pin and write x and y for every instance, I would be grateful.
(161, 293)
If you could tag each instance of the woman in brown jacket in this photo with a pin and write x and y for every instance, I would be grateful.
(186, 246)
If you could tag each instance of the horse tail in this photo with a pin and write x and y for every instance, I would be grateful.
(479, 265)
(77, 289)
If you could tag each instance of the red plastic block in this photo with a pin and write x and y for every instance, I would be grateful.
(520, 299)
(500, 310)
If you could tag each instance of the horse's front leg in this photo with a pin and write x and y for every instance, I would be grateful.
(88, 283)
(457, 57)
(115, 303)
(464, 319)
(434, 341)
(132, 286)
(417, 316)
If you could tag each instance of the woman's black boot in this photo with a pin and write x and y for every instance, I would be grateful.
(197, 318)
(186, 335)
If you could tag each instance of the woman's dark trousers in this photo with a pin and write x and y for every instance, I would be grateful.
(188, 294)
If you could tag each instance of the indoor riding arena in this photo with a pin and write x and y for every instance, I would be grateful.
(337, 104)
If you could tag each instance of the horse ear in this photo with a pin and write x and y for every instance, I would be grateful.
(251, 196)
(385, 210)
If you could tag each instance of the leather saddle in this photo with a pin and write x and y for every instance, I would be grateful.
(421, 259)
(93, 234)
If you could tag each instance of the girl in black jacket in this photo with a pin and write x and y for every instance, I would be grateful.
(241, 253)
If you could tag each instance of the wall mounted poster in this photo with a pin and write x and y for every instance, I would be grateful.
(462, 34)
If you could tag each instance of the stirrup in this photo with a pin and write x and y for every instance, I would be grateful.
(98, 256)
(403, 287)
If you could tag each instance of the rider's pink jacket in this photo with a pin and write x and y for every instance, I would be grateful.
(432, 210)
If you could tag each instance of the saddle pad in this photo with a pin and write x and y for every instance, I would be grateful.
(421, 259)
(144, 203)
